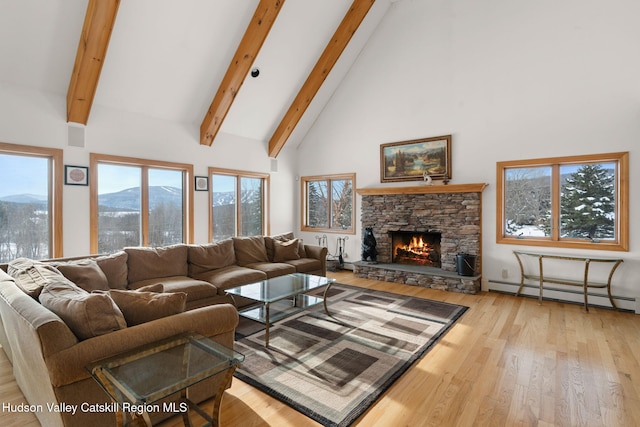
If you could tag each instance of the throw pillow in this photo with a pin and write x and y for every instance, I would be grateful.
(141, 307)
(115, 269)
(86, 314)
(270, 245)
(211, 256)
(151, 263)
(301, 250)
(250, 250)
(85, 273)
(285, 251)
(31, 276)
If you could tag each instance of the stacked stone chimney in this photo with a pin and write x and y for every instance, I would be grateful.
(455, 214)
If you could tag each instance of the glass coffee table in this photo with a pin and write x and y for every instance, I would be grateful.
(281, 297)
(135, 380)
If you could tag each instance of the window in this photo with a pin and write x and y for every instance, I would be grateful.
(139, 203)
(30, 202)
(238, 203)
(328, 203)
(573, 202)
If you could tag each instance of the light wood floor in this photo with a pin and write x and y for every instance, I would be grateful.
(507, 362)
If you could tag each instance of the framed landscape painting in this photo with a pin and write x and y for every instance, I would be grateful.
(411, 160)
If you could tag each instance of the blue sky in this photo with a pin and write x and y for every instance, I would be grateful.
(115, 178)
(22, 175)
(565, 168)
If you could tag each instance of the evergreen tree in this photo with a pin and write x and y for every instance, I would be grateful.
(588, 204)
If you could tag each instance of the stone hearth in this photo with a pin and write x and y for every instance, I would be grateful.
(455, 211)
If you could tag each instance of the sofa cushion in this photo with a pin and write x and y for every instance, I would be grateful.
(141, 307)
(231, 276)
(85, 273)
(285, 251)
(273, 269)
(155, 287)
(249, 250)
(150, 263)
(306, 265)
(114, 267)
(31, 276)
(194, 288)
(86, 314)
(210, 256)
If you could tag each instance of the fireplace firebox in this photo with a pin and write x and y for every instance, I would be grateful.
(416, 248)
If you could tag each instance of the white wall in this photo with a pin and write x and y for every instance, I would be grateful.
(509, 80)
(34, 118)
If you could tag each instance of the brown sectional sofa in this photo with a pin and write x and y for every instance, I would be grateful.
(128, 299)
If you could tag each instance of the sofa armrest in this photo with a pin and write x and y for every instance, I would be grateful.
(216, 321)
(22, 315)
(319, 253)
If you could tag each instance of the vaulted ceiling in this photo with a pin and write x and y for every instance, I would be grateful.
(190, 61)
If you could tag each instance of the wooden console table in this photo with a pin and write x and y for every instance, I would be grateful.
(585, 282)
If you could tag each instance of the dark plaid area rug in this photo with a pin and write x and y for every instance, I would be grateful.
(332, 368)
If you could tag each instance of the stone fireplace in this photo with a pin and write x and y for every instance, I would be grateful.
(428, 226)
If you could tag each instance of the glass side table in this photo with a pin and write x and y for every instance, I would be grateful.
(135, 380)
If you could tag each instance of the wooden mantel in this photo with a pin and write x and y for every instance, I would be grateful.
(423, 189)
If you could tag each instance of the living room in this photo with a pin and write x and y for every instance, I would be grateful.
(507, 81)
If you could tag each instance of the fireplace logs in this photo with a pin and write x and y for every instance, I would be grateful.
(416, 248)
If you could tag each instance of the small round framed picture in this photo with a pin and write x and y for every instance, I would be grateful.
(202, 183)
(76, 175)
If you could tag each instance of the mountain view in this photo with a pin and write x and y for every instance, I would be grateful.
(24, 220)
(24, 198)
(129, 199)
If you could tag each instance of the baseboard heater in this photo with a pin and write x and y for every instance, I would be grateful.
(554, 289)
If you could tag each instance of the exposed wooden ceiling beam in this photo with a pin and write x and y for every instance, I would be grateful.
(255, 35)
(92, 49)
(350, 23)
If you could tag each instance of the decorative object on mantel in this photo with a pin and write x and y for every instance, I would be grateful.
(427, 178)
(414, 160)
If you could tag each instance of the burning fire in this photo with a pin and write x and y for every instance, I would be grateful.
(417, 251)
(417, 245)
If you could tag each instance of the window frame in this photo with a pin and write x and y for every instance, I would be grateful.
(56, 179)
(304, 208)
(266, 188)
(621, 243)
(188, 185)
